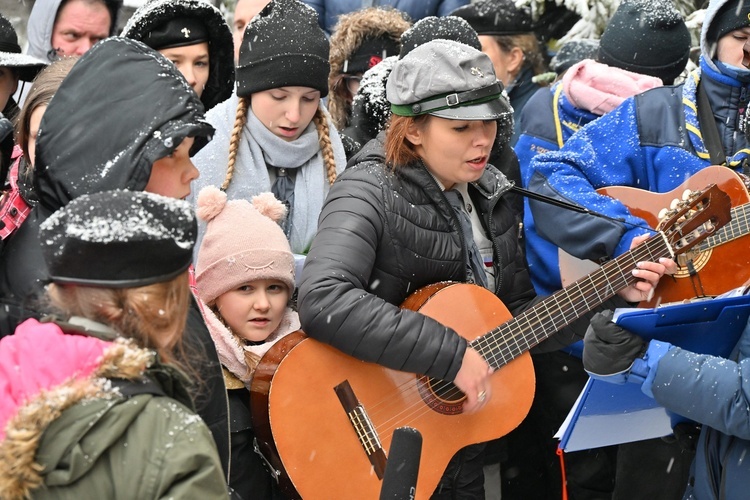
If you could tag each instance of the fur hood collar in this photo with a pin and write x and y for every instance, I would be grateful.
(35, 392)
(349, 33)
(220, 83)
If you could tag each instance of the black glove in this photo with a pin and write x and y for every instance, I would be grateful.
(608, 349)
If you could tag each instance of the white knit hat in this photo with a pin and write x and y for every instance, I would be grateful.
(243, 242)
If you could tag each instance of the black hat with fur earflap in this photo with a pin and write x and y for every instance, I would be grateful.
(283, 46)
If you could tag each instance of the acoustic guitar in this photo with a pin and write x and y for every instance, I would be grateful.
(324, 420)
(717, 264)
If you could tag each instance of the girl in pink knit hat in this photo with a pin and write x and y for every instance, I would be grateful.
(245, 279)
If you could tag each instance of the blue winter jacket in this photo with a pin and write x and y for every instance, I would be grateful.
(330, 10)
(651, 141)
(716, 393)
(547, 122)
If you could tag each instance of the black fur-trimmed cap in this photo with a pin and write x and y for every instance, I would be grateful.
(119, 239)
(283, 46)
(496, 17)
(177, 32)
(154, 14)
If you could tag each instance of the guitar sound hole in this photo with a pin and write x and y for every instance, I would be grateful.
(442, 397)
(698, 260)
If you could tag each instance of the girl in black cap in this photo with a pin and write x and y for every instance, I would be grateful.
(422, 205)
(274, 135)
(95, 405)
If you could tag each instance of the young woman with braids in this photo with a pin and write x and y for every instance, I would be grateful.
(274, 135)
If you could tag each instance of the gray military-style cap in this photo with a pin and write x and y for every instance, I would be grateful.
(447, 79)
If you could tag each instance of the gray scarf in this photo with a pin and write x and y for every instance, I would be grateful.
(268, 149)
(258, 148)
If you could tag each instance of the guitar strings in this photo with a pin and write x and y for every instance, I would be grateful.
(736, 228)
(501, 340)
(583, 294)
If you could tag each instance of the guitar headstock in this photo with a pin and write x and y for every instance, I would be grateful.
(696, 218)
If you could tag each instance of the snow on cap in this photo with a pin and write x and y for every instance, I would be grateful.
(648, 37)
(438, 28)
(10, 53)
(119, 239)
(497, 17)
(283, 46)
(446, 79)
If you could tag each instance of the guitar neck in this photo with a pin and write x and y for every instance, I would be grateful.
(518, 335)
(738, 227)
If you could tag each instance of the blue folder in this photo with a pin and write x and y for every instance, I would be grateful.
(607, 414)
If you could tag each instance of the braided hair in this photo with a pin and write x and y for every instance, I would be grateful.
(240, 119)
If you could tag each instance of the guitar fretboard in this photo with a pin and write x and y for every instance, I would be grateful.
(738, 227)
(518, 335)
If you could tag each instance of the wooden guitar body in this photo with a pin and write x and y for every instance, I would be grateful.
(295, 392)
(324, 420)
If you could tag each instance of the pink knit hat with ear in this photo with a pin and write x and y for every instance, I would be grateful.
(243, 242)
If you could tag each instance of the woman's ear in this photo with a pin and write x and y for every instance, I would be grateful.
(515, 61)
(413, 133)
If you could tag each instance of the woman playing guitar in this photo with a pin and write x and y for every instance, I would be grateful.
(421, 205)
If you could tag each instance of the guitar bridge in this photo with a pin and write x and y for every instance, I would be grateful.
(363, 427)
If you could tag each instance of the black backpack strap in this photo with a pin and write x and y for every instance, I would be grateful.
(144, 385)
(709, 131)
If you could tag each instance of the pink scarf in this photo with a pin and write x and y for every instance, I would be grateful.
(239, 359)
(599, 88)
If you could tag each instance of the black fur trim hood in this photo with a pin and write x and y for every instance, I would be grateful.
(220, 83)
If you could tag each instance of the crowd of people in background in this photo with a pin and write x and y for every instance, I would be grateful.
(181, 194)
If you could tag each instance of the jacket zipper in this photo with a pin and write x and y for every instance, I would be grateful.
(464, 247)
(491, 233)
